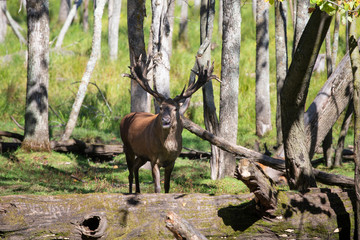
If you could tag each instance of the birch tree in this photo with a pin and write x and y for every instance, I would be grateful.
(113, 28)
(162, 31)
(183, 31)
(229, 88)
(95, 53)
(36, 133)
(64, 10)
(262, 91)
(301, 12)
(135, 19)
(3, 25)
(281, 59)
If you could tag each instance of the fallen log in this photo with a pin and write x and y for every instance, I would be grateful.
(320, 213)
(278, 164)
(181, 228)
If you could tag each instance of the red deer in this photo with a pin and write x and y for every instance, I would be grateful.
(156, 138)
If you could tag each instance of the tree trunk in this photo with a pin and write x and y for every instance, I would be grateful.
(253, 8)
(302, 17)
(3, 25)
(36, 134)
(15, 27)
(183, 31)
(135, 16)
(95, 53)
(207, 15)
(162, 29)
(330, 102)
(355, 65)
(344, 130)
(316, 214)
(293, 97)
(85, 19)
(221, 17)
(326, 145)
(229, 88)
(262, 91)
(114, 21)
(281, 59)
(64, 10)
(67, 24)
(335, 39)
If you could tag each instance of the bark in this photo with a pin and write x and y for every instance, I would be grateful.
(293, 97)
(64, 10)
(301, 19)
(183, 31)
(316, 214)
(343, 132)
(326, 145)
(3, 25)
(262, 90)
(221, 17)
(114, 21)
(281, 59)
(335, 39)
(95, 54)
(36, 134)
(85, 17)
(136, 12)
(162, 31)
(259, 183)
(278, 164)
(328, 105)
(253, 8)
(355, 65)
(181, 228)
(207, 15)
(15, 27)
(229, 88)
(67, 23)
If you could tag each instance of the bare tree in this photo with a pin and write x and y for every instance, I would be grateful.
(114, 21)
(36, 136)
(221, 17)
(301, 14)
(229, 88)
(3, 25)
(64, 10)
(135, 16)
(262, 91)
(355, 65)
(281, 59)
(85, 17)
(183, 31)
(95, 53)
(162, 29)
(293, 97)
(67, 23)
(207, 13)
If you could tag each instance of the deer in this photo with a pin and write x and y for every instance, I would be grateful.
(157, 137)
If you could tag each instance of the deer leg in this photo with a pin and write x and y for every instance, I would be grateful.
(156, 177)
(168, 170)
(130, 157)
(138, 163)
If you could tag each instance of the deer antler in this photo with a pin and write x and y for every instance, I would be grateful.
(204, 75)
(139, 72)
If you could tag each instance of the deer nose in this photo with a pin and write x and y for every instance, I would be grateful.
(166, 121)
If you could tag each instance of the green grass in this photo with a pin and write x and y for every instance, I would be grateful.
(51, 173)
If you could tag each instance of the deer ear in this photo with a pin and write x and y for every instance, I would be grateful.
(184, 104)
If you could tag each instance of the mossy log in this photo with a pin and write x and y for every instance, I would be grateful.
(321, 213)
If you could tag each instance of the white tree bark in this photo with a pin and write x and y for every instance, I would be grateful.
(262, 92)
(3, 25)
(301, 18)
(162, 29)
(36, 136)
(281, 59)
(64, 10)
(67, 23)
(229, 88)
(183, 31)
(114, 20)
(95, 54)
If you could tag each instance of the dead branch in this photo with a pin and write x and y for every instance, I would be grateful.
(17, 124)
